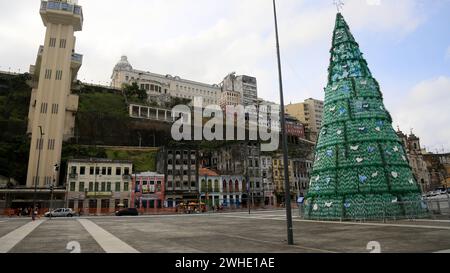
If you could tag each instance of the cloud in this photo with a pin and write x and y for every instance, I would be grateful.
(203, 40)
(425, 109)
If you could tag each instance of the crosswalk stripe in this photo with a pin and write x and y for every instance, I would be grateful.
(443, 251)
(11, 239)
(109, 242)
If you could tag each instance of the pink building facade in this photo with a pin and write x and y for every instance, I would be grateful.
(148, 192)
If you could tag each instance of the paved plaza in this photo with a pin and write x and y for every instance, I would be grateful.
(238, 232)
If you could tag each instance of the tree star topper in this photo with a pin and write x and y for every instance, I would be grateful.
(339, 4)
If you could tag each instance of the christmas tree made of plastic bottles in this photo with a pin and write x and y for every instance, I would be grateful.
(361, 170)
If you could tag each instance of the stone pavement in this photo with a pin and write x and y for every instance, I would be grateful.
(238, 232)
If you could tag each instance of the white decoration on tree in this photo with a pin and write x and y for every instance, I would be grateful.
(354, 148)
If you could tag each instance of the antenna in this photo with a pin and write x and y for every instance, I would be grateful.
(339, 4)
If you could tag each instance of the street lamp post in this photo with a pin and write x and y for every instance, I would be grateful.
(36, 180)
(290, 236)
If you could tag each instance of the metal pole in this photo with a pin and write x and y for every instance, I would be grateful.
(37, 169)
(290, 235)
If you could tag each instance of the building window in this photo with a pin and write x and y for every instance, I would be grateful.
(55, 108)
(103, 188)
(91, 170)
(126, 171)
(118, 171)
(62, 43)
(169, 184)
(72, 186)
(177, 184)
(58, 75)
(125, 186)
(104, 171)
(81, 187)
(117, 187)
(39, 144)
(51, 144)
(52, 42)
(96, 186)
(44, 108)
(48, 74)
(91, 186)
(97, 170)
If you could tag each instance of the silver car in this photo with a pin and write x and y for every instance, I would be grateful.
(63, 212)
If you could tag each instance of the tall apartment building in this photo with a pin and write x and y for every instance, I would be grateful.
(231, 98)
(245, 85)
(157, 84)
(310, 113)
(52, 105)
(181, 172)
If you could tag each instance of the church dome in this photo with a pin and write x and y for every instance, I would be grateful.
(123, 64)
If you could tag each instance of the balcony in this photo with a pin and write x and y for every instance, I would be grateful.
(77, 58)
(126, 177)
(73, 176)
(56, 12)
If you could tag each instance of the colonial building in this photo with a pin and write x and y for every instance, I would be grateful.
(267, 180)
(438, 166)
(180, 167)
(210, 188)
(416, 160)
(279, 178)
(163, 85)
(233, 190)
(98, 186)
(53, 106)
(148, 192)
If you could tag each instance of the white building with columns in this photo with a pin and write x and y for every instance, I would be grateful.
(157, 84)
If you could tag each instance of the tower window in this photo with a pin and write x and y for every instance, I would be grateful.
(44, 108)
(51, 144)
(62, 43)
(55, 108)
(58, 74)
(48, 74)
(52, 42)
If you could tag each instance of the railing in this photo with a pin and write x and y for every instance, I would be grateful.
(73, 176)
(77, 58)
(126, 177)
(54, 5)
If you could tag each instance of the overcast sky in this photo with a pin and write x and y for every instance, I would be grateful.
(406, 43)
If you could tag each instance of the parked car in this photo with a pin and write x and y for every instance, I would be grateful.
(62, 212)
(127, 212)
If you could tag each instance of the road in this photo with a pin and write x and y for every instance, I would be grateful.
(260, 232)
